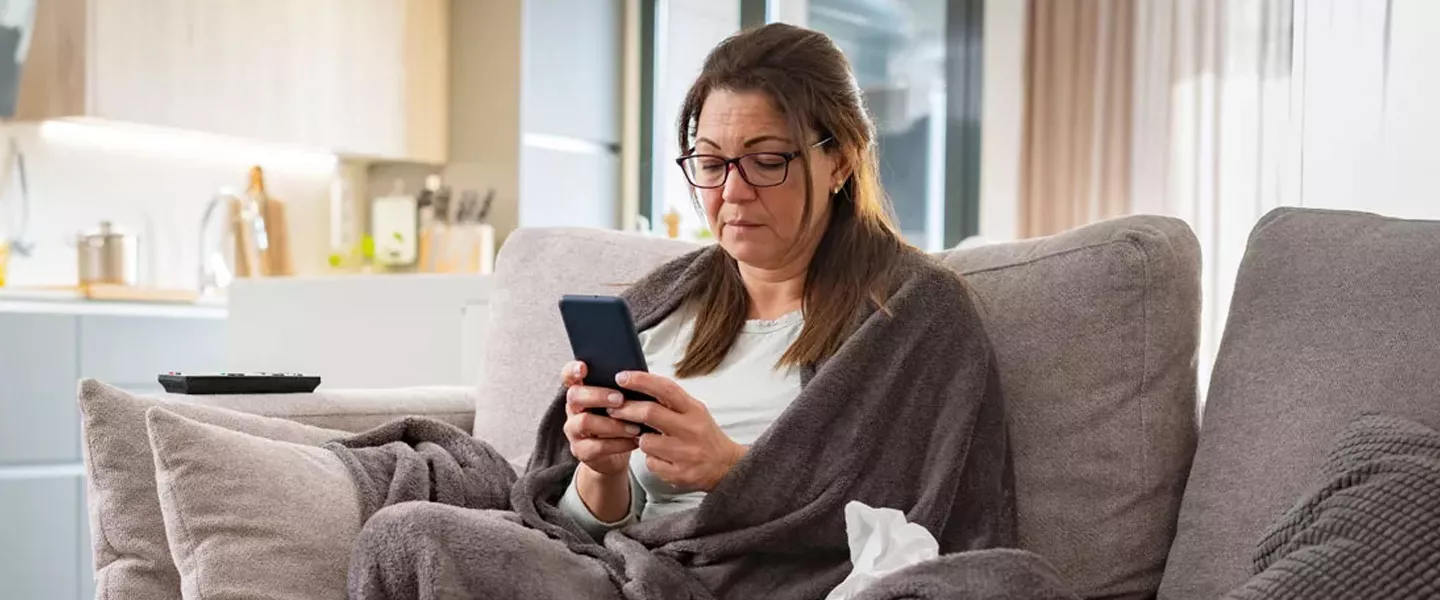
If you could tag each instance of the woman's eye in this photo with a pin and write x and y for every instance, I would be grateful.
(711, 166)
(770, 164)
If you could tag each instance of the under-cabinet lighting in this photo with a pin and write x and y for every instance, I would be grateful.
(181, 145)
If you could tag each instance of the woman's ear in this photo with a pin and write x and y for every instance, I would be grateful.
(840, 174)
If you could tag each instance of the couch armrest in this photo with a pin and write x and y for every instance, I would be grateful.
(352, 410)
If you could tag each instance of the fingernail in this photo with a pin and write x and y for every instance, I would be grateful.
(632, 430)
(615, 398)
(622, 377)
(575, 369)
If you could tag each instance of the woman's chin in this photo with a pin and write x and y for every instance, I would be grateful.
(748, 251)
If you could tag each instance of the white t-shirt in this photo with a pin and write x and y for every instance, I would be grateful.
(744, 395)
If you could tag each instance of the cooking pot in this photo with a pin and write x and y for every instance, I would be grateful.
(108, 256)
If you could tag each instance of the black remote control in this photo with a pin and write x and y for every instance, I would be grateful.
(238, 383)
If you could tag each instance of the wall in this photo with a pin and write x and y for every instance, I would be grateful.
(485, 69)
(154, 184)
(534, 109)
(1002, 111)
(570, 113)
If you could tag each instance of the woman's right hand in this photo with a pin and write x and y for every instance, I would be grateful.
(601, 443)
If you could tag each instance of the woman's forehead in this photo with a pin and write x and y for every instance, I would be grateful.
(740, 116)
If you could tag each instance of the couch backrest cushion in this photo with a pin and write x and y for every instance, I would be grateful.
(1334, 314)
(525, 345)
(1094, 331)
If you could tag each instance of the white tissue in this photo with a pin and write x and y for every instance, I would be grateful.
(881, 542)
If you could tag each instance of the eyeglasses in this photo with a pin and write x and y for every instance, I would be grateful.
(759, 169)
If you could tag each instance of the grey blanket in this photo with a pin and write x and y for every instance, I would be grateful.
(421, 459)
(1370, 531)
(906, 415)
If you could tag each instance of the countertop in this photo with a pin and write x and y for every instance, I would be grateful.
(22, 300)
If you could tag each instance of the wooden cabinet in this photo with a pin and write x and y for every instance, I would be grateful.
(366, 78)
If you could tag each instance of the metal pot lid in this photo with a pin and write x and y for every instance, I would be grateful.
(106, 230)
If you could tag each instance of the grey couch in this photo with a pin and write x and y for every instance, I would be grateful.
(1096, 334)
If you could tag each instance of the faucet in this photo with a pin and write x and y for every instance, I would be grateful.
(215, 271)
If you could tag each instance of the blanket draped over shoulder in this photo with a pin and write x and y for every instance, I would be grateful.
(907, 415)
(1371, 530)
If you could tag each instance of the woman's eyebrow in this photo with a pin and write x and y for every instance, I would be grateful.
(766, 138)
(748, 143)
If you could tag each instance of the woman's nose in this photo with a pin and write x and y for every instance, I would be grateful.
(736, 189)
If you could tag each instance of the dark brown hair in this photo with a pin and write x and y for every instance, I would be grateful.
(811, 84)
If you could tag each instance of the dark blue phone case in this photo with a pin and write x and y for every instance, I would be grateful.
(602, 335)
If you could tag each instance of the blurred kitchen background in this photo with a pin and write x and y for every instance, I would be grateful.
(998, 119)
(237, 156)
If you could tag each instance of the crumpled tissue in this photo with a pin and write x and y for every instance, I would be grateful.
(881, 542)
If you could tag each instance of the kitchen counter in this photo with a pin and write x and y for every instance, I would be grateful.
(361, 331)
(59, 301)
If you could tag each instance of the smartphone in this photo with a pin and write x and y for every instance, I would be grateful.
(602, 335)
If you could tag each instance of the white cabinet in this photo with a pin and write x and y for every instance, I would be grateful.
(365, 78)
(45, 545)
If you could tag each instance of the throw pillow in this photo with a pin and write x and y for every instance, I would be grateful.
(249, 517)
(132, 556)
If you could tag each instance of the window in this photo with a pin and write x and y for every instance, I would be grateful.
(917, 62)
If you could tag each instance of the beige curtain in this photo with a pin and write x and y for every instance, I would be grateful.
(1075, 161)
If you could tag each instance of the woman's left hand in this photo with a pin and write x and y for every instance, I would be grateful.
(691, 451)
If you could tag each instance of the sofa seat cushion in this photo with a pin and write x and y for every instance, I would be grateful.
(1334, 314)
(1095, 335)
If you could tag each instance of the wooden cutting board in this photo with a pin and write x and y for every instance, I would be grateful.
(130, 293)
(123, 293)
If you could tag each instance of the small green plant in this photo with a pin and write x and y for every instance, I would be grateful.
(367, 248)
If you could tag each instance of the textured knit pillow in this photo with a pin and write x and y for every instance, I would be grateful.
(248, 517)
(1369, 531)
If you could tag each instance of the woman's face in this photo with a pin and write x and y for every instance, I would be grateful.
(759, 226)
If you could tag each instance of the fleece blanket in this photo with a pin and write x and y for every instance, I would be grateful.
(906, 415)
(1371, 530)
(417, 459)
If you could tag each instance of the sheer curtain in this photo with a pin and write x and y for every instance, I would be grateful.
(1235, 107)
(1216, 132)
(1243, 106)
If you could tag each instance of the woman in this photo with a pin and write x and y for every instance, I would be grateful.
(809, 359)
